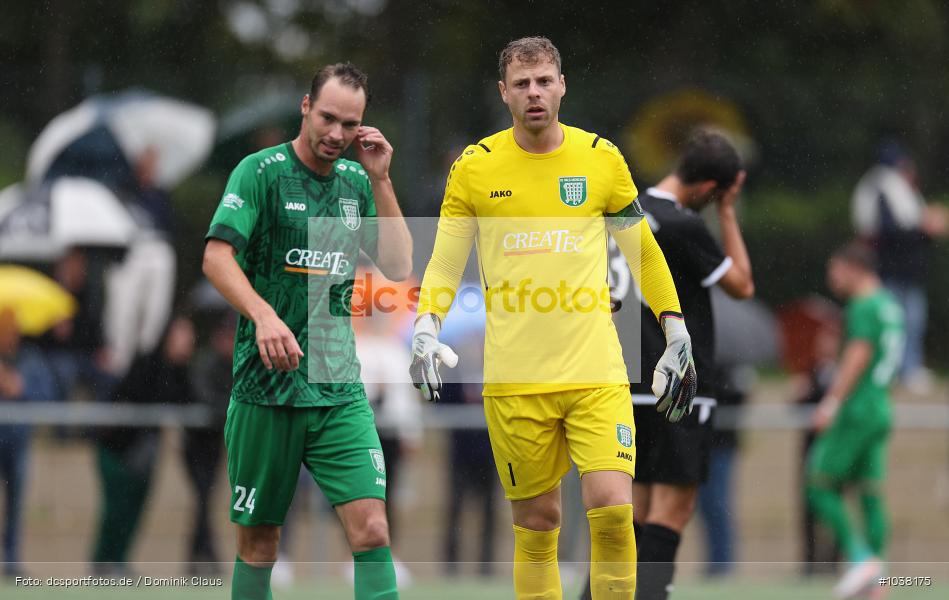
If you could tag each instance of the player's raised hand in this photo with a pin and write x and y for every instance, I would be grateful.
(373, 151)
(730, 196)
(277, 344)
(674, 381)
(427, 355)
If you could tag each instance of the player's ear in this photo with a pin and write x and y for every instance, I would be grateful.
(563, 85)
(305, 105)
(503, 89)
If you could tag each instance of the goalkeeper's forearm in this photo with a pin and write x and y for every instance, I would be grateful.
(443, 273)
(648, 266)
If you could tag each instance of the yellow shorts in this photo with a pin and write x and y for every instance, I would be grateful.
(533, 437)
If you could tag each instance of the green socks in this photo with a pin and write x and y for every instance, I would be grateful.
(250, 582)
(828, 505)
(876, 522)
(374, 575)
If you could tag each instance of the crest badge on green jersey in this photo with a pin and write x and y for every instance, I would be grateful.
(378, 461)
(349, 213)
(573, 190)
(625, 435)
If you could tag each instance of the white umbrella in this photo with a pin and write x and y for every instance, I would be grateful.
(180, 133)
(40, 223)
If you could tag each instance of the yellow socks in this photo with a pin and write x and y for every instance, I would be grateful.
(612, 553)
(536, 572)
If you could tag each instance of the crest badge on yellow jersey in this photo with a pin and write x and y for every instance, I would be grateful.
(573, 190)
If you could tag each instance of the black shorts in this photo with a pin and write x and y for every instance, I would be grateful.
(676, 453)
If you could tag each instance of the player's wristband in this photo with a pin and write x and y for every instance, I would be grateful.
(428, 324)
(673, 325)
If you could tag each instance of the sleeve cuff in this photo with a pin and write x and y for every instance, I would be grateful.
(718, 273)
(228, 234)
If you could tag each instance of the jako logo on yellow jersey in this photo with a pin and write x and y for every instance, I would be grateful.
(316, 262)
(541, 242)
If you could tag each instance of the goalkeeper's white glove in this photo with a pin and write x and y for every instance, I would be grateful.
(427, 355)
(674, 381)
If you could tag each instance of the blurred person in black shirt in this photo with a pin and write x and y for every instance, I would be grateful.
(126, 454)
(76, 348)
(211, 377)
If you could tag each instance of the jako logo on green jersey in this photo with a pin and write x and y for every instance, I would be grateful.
(541, 242)
(316, 262)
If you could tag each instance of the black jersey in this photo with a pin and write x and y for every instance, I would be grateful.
(697, 263)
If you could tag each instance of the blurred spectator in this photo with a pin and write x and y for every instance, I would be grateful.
(211, 377)
(890, 212)
(140, 290)
(472, 477)
(23, 378)
(821, 551)
(127, 454)
(810, 330)
(472, 480)
(76, 348)
(746, 337)
(716, 500)
(155, 201)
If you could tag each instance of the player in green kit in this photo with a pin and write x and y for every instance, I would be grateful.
(283, 241)
(854, 418)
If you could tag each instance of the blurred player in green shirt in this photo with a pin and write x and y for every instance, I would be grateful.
(283, 243)
(854, 418)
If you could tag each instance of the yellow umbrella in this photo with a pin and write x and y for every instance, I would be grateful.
(37, 301)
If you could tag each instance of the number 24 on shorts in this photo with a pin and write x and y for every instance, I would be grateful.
(241, 503)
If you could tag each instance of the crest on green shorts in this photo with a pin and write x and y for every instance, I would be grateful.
(573, 190)
(378, 461)
(625, 435)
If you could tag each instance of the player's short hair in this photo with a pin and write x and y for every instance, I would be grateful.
(857, 254)
(347, 73)
(530, 51)
(708, 155)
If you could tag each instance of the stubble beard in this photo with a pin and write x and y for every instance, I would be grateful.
(314, 144)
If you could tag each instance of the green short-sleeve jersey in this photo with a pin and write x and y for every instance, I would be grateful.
(877, 319)
(298, 235)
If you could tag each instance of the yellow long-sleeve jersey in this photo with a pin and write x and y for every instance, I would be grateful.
(540, 223)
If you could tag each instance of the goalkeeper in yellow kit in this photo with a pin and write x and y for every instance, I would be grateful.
(539, 200)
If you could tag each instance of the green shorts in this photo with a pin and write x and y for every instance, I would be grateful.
(850, 452)
(266, 445)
